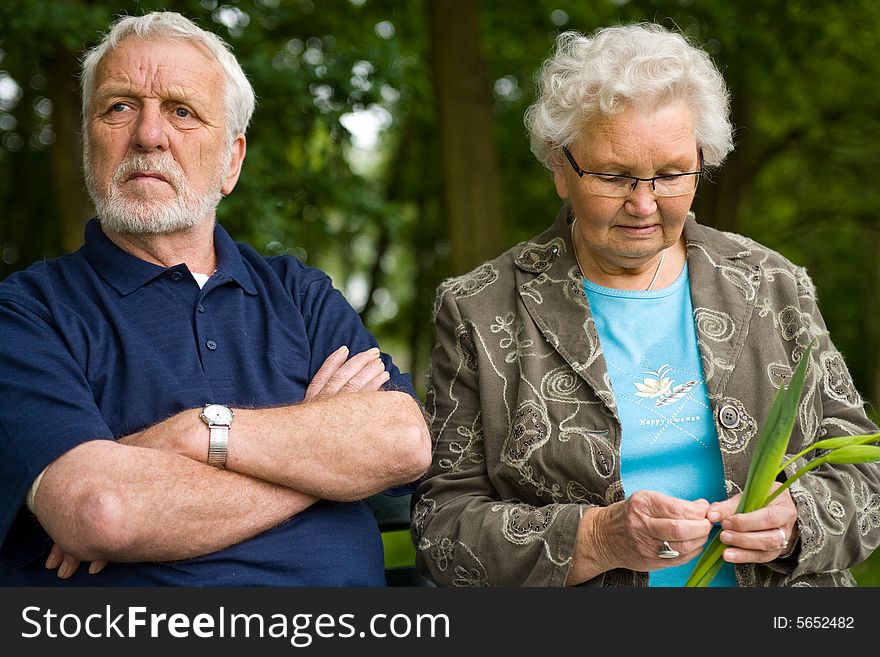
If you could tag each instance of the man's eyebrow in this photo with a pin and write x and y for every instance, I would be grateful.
(112, 89)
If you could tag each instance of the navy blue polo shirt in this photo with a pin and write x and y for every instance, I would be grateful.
(100, 344)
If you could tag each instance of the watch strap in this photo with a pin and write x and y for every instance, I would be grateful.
(218, 442)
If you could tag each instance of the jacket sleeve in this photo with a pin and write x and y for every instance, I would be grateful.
(465, 533)
(838, 504)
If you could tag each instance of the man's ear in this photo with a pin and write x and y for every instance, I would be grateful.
(236, 159)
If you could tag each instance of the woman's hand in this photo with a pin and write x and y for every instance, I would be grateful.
(760, 536)
(630, 534)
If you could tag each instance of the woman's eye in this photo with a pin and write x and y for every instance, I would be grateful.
(614, 180)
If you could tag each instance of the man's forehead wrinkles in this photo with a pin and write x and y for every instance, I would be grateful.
(148, 58)
(164, 82)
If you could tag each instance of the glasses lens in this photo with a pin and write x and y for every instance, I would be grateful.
(675, 185)
(620, 186)
(613, 186)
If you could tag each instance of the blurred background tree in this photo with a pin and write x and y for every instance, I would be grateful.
(388, 146)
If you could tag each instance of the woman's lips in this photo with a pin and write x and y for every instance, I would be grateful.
(640, 231)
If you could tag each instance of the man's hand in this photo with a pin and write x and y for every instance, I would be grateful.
(67, 565)
(362, 372)
(347, 441)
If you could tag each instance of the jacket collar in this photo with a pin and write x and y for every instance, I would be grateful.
(724, 278)
(725, 275)
(549, 284)
(127, 273)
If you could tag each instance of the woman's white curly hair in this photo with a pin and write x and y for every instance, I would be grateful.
(597, 76)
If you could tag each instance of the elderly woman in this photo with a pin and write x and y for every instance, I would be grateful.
(596, 392)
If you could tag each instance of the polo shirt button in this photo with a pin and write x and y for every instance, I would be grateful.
(200, 308)
(210, 344)
(729, 416)
(176, 276)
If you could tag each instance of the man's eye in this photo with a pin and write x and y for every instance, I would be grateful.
(182, 113)
(118, 107)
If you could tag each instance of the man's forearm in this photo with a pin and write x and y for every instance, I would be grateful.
(344, 447)
(104, 500)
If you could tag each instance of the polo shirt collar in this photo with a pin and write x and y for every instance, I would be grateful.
(127, 273)
(230, 264)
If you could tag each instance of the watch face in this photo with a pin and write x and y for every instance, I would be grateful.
(217, 414)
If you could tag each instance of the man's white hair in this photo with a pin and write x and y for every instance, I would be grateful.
(597, 76)
(239, 100)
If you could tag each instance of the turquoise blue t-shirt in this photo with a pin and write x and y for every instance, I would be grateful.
(669, 442)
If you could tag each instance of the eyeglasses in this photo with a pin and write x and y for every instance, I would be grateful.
(615, 185)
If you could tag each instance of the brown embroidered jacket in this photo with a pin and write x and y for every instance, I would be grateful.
(526, 430)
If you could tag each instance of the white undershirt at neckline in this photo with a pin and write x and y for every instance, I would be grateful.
(201, 279)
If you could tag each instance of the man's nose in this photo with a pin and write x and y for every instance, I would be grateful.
(151, 130)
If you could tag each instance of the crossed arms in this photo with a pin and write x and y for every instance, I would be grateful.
(151, 497)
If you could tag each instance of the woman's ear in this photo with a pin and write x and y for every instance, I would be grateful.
(561, 181)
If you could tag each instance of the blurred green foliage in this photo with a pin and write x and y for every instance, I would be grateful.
(806, 106)
(399, 549)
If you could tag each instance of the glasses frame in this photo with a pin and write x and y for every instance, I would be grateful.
(635, 179)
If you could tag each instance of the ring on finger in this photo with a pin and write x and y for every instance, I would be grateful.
(784, 538)
(666, 552)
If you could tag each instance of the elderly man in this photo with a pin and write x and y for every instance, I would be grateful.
(175, 408)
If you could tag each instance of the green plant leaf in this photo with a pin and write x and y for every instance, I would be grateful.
(831, 443)
(854, 454)
(847, 454)
(775, 438)
(707, 565)
(769, 451)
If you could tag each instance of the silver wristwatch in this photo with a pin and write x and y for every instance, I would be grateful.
(219, 420)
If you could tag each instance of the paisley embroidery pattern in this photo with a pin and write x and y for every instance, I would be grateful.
(537, 258)
(524, 524)
(867, 504)
(466, 286)
(791, 322)
(530, 430)
(836, 380)
(467, 351)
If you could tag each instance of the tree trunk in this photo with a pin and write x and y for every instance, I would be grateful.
(870, 326)
(471, 180)
(718, 201)
(74, 206)
(21, 222)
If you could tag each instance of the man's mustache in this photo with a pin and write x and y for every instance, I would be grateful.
(163, 167)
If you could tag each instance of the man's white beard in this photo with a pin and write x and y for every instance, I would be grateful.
(144, 216)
